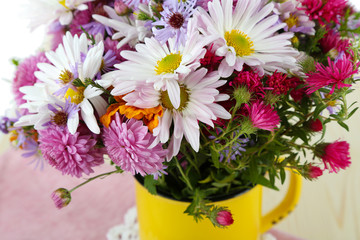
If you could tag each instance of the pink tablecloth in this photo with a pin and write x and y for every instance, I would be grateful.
(28, 213)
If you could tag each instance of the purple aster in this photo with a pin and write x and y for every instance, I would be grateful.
(61, 114)
(94, 28)
(72, 154)
(296, 20)
(135, 3)
(128, 145)
(174, 20)
(332, 106)
(107, 63)
(24, 75)
(67, 78)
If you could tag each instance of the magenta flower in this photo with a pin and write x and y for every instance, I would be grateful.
(263, 116)
(333, 75)
(72, 154)
(24, 75)
(279, 83)
(224, 218)
(335, 155)
(61, 197)
(128, 144)
(324, 11)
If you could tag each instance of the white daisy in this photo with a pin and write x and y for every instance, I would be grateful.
(72, 60)
(129, 30)
(46, 11)
(198, 99)
(247, 34)
(163, 65)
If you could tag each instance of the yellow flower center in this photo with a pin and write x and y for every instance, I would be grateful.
(240, 42)
(184, 99)
(168, 64)
(76, 96)
(66, 76)
(292, 21)
(62, 2)
(331, 103)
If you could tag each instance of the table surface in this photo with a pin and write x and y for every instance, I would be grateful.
(28, 213)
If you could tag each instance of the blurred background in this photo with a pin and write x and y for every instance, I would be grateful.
(329, 208)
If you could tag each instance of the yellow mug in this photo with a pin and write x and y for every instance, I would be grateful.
(162, 218)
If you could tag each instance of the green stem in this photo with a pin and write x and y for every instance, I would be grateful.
(93, 178)
(186, 180)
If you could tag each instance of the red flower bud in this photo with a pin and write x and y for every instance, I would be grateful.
(224, 218)
(315, 125)
(314, 172)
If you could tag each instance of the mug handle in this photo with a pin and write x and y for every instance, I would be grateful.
(287, 204)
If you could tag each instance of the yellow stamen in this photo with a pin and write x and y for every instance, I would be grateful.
(240, 42)
(292, 21)
(184, 99)
(62, 2)
(66, 76)
(76, 96)
(168, 64)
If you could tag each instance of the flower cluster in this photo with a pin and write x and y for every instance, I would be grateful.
(211, 91)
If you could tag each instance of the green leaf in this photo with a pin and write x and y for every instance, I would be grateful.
(282, 175)
(265, 182)
(319, 108)
(215, 157)
(343, 125)
(150, 184)
(352, 112)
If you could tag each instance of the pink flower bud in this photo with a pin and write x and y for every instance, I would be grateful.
(314, 172)
(61, 197)
(121, 8)
(224, 218)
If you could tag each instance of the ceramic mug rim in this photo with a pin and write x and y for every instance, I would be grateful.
(214, 199)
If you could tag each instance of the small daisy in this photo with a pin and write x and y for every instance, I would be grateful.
(52, 10)
(128, 30)
(173, 21)
(247, 37)
(198, 97)
(72, 60)
(296, 20)
(163, 65)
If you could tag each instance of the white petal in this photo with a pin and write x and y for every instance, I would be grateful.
(73, 123)
(173, 90)
(87, 113)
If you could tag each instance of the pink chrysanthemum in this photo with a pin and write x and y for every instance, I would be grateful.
(279, 83)
(333, 75)
(24, 75)
(72, 154)
(332, 40)
(112, 45)
(324, 11)
(335, 155)
(128, 145)
(263, 116)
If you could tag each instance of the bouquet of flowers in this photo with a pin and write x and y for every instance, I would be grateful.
(198, 98)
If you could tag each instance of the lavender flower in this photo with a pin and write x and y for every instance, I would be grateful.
(62, 113)
(236, 149)
(174, 20)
